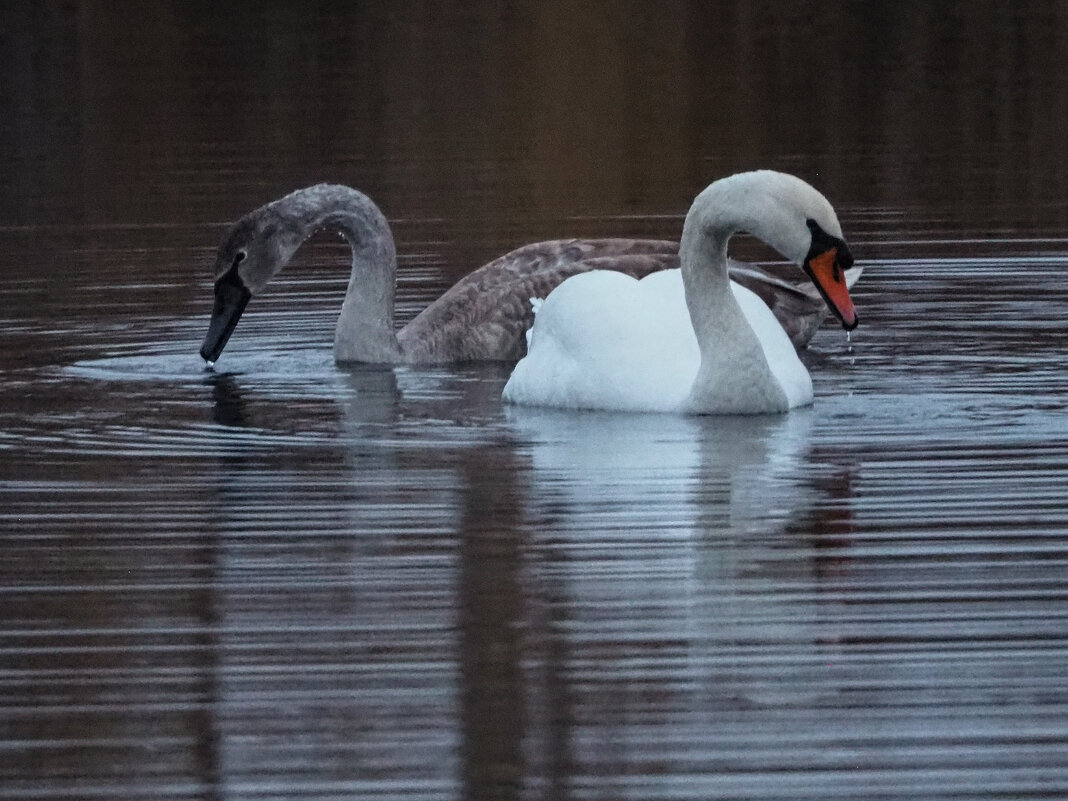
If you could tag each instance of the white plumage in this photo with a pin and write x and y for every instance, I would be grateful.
(684, 341)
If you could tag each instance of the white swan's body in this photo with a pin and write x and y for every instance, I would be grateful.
(688, 340)
(645, 326)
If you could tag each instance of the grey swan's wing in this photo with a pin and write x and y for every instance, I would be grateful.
(799, 308)
(798, 312)
(485, 315)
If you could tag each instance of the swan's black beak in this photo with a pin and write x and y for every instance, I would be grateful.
(231, 297)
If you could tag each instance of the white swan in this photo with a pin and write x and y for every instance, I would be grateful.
(482, 317)
(690, 340)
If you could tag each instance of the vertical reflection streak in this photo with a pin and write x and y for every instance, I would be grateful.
(491, 612)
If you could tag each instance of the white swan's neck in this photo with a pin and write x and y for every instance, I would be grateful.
(365, 330)
(734, 374)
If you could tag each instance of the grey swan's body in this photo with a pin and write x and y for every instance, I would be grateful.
(483, 317)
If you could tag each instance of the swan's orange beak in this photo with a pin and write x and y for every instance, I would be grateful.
(827, 274)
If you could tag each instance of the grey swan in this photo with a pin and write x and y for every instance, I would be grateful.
(483, 317)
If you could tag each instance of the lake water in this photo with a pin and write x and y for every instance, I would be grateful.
(281, 579)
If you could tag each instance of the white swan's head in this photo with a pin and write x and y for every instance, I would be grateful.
(790, 216)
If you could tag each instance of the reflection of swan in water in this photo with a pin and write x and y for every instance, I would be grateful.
(663, 532)
(229, 407)
(483, 317)
(591, 459)
(690, 341)
(575, 560)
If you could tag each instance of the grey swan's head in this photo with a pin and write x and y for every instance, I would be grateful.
(263, 241)
(255, 248)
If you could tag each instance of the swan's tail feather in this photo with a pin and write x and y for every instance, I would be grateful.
(535, 305)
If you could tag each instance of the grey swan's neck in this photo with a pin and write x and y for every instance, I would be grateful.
(365, 329)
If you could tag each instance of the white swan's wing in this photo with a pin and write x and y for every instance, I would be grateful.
(604, 340)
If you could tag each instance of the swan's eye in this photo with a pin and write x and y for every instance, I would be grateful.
(845, 258)
(231, 277)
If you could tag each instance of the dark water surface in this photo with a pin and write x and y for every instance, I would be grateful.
(283, 580)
